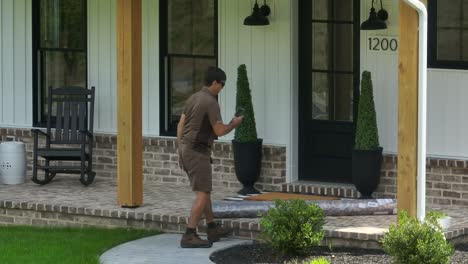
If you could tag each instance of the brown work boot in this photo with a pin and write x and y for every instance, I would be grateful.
(217, 232)
(194, 241)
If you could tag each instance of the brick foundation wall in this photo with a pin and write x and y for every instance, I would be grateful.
(446, 180)
(37, 214)
(160, 160)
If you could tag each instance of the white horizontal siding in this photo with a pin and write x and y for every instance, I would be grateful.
(384, 70)
(150, 67)
(15, 63)
(447, 113)
(265, 50)
(267, 53)
(102, 64)
(447, 95)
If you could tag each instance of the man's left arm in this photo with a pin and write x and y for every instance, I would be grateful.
(180, 128)
(219, 128)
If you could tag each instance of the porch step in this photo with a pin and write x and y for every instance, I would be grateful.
(318, 188)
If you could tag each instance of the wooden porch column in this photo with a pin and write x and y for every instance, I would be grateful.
(129, 112)
(408, 109)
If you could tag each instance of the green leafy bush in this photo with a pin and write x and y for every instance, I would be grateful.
(367, 136)
(293, 226)
(321, 260)
(413, 242)
(247, 131)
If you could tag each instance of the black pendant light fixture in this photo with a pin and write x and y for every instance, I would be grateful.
(375, 22)
(382, 14)
(259, 15)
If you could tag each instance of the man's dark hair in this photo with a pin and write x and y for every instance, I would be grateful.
(214, 74)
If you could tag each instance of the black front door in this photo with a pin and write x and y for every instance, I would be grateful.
(328, 88)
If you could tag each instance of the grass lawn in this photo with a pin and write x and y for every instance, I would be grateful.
(33, 245)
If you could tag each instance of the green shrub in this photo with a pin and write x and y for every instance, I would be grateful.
(247, 131)
(319, 261)
(413, 242)
(367, 136)
(293, 226)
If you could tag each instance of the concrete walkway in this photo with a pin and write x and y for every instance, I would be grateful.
(163, 249)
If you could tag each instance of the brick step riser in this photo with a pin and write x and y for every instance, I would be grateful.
(321, 190)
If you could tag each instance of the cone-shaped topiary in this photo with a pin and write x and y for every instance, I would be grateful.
(367, 136)
(247, 131)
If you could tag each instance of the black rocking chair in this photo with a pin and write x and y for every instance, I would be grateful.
(72, 109)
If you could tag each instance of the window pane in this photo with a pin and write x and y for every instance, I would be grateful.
(62, 24)
(320, 9)
(203, 28)
(449, 13)
(337, 86)
(320, 94)
(448, 44)
(343, 10)
(465, 46)
(452, 22)
(343, 51)
(191, 47)
(191, 27)
(62, 69)
(186, 78)
(343, 92)
(465, 13)
(179, 26)
(327, 57)
(321, 49)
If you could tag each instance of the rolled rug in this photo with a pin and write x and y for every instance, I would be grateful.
(344, 207)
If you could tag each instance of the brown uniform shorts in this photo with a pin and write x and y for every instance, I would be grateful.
(197, 165)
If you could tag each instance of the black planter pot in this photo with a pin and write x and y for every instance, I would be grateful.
(247, 163)
(366, 170)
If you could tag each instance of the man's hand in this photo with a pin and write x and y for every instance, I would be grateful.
(221, 129)
(237, 120)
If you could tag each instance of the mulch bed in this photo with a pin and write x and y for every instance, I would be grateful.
(260, 253)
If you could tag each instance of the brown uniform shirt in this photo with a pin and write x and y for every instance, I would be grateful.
(201, 114)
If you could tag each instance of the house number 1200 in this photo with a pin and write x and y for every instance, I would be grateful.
(383, 44)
